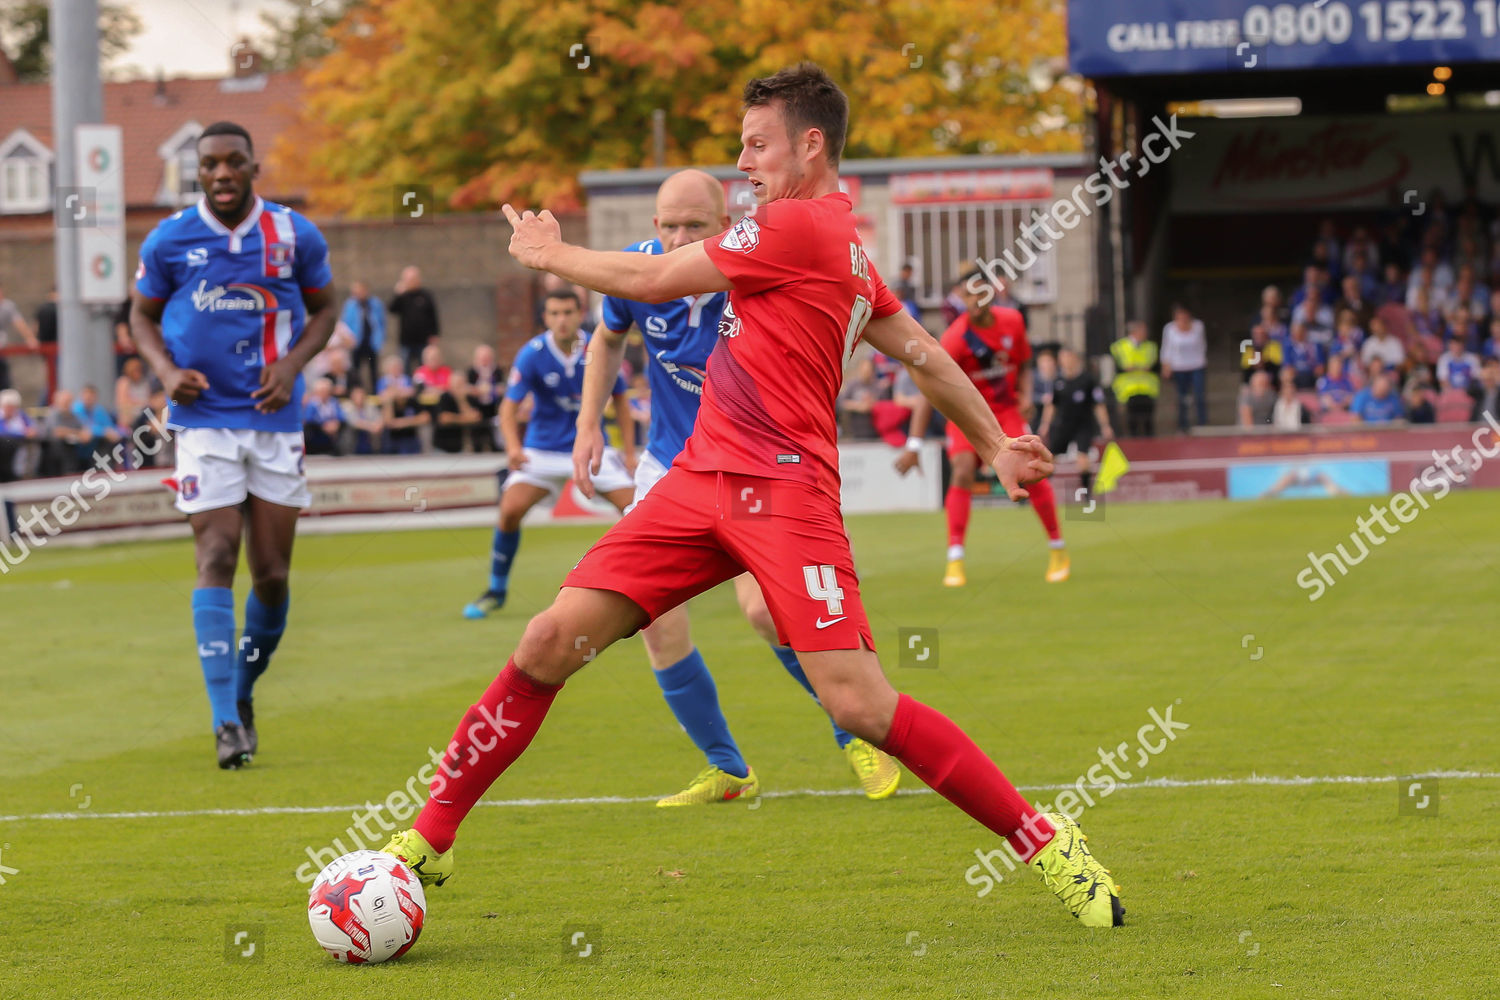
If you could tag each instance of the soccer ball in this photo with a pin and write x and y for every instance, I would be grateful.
(366, 907)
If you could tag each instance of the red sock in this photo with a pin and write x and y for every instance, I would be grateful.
(493, 733)
(1044, 501)
(938, 752)
(958, 503)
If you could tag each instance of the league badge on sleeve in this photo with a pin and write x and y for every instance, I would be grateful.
(743, 237)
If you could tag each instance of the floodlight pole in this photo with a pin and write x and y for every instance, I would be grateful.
(85, 339)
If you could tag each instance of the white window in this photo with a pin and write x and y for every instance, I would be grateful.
(180, 166)
(25, 174)
(943, 241)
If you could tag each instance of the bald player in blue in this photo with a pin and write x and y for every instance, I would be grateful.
(679, 335)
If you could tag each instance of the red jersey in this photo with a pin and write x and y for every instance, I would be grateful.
(803, 291)
(991, 355)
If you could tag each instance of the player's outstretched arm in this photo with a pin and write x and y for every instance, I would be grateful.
(1016, 460)
(182, 385)
(537, 242)
(601, 367)
(510, 430)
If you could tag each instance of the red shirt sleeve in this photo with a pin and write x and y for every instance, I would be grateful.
(764, 250)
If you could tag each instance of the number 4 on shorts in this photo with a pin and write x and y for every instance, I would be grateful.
(823, 585)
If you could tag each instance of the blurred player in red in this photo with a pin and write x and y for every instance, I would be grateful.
(989, 343)
(756, 488)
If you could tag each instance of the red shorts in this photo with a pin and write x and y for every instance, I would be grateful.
(1011, 422)
(695, 530)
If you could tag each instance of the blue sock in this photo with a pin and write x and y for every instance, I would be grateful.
(690, 692)
(213, 623)
(263, 628)
(788, 658)
(502, 551)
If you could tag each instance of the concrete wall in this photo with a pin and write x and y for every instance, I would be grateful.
(617, 220)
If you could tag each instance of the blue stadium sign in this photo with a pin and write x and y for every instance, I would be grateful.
(1142, 37)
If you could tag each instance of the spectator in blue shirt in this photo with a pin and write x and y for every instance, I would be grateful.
(364, 315)
(1377, 403)
(1457, 367)
(1335, 391)
(97, 420)
(1303, 357)
(322, 420)
(395, 377)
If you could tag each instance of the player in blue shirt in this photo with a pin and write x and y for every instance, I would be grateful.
(232, 298)
(549, 369)
(1378, 402)
(679, 336)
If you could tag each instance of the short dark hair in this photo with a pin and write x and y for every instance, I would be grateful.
(809, 99)
(228, 128)
(563, 293)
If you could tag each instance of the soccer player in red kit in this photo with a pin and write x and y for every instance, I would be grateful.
(989, 343)
(757, 489)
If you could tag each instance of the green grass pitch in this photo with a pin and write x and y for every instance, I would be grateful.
(1234, 889)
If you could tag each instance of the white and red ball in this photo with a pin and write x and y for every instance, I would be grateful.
(366, 907)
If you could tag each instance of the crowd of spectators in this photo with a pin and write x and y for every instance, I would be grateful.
(435, 408)
(66, 436)
(1399, 323)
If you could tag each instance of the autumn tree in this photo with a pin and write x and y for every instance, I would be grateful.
(25, 31)
(487, 102)
(300, 31)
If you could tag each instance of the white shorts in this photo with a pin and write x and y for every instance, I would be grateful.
(648, 473)
(552, 470)
(220, 466)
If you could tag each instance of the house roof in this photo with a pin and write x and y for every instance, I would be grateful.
(150, 111)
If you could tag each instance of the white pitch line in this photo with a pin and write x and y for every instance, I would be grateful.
(1254, 779)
